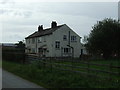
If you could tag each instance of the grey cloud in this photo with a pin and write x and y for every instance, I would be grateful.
(4, 11)
(12, 38)
(4, 1)
(91, 9)
(1, 11)
(16, 12)
(27, 14)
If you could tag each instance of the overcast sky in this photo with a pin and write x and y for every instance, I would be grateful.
(20, 19)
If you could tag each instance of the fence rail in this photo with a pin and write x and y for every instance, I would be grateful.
(77, 69)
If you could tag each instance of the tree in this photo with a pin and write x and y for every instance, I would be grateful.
(104, 38)
(20, 45)
(20, 48)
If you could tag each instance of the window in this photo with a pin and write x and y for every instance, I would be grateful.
(57, 45)
(73, 38)
(28, 40)
(67, 50)
(39, 40)
(44, 39)
(64, 37)
(33, 40)
(80, 40)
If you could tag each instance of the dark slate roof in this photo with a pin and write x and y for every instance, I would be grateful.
(44, 32)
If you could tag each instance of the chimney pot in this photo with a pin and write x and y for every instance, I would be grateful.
(40, 28)
(53, 24)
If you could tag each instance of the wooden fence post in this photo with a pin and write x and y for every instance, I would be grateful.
(72, 63)
(88, 65)
(110, 70)
(44, 62)
(51, 64)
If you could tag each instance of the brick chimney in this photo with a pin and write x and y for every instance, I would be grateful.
(53, 24)
(40, 28)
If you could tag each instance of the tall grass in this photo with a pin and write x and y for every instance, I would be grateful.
(53, 78)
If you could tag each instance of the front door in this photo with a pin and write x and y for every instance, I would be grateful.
(42, 52)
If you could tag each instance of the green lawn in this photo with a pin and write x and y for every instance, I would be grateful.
(53, 78)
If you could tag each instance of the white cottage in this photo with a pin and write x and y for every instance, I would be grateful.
(57, 41)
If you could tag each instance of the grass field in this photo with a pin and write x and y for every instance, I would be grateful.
(107, 65)
(54, 78)
(113, 62)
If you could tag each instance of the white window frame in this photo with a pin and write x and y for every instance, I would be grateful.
(57, 44)
(39, 39)
(66, 50)
(73, 38)
(64, 37)
(33, 40)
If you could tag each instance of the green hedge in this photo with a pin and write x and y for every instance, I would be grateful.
(17, 55)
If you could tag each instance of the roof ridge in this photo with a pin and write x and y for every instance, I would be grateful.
(44, 32)
(54, 27)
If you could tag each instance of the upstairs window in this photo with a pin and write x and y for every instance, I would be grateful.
(73, 39)
(39, 40)
(80, 40)
(64, 37)
(57, 45)
(44, 39)
(33, 40)
(28, 40)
